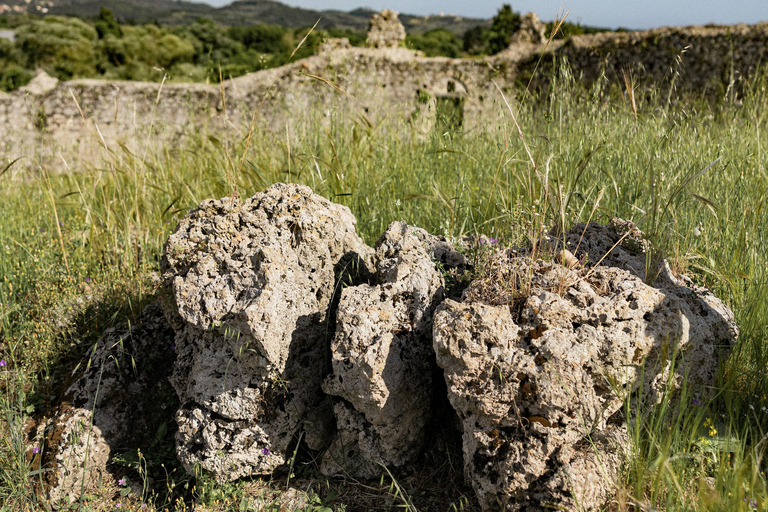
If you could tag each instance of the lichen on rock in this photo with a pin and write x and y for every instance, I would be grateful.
(253, 283)
(539, 362)
(382, 355)
(288, 329)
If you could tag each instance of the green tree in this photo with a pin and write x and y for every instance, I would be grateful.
(63, 46)
(476, 40)
(107, 24)
(436, 42)
(505, 23)
(214, 43)
(12, 74)
(355, 38)
(262, 38)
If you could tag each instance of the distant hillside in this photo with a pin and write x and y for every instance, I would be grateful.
(243, 12)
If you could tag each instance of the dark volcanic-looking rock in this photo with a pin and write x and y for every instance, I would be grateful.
(539, 373)
(382, 356)
(252, 284)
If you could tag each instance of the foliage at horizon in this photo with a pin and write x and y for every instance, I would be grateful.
(68, 47)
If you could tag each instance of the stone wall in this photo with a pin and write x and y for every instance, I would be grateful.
(389, 84)
(699, 59)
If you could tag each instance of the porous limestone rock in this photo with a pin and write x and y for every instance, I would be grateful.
(382, 355)
(385, 30)
(119, 402)
(538, 359)
(252, 285)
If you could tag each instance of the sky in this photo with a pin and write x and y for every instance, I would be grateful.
(634, 14)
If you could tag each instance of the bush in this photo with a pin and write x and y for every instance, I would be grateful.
(476, 40)
(262, 38)
(62, 45)
(14, 76)
(505, 23)
(437, 42)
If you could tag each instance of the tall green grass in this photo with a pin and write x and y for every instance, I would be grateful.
(96, 234)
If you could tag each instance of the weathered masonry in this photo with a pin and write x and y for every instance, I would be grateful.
(379, 83)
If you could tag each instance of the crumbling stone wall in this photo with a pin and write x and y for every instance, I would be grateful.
(381, 83)
(701, 59)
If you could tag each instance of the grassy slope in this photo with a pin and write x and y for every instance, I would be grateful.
(64, 235)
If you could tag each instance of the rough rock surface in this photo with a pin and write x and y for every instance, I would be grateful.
(252, 285)
(120, 400)
(382, 355)
(333, 44)
(538, 359)
(385, 30)
(531, 31)
(42, 83)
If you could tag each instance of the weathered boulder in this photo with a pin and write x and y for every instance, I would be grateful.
(382, 355)
(704, 329)
(252, 285)
(119, 400)
(538, 359)
(385, 30)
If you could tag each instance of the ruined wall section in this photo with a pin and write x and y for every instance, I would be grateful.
(699, 59)
(384, 85)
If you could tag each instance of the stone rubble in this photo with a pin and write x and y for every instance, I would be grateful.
(120, 398)
(539, 370)
(252, 285)
(289, 331)
(382, 356)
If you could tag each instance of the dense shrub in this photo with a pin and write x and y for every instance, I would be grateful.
(436, 42)
(505, 23)
(65, 46)
(202, 51)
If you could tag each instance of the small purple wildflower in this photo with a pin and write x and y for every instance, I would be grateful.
(88, 279)
(36, 449)
(173, 347)
(751, 503)
(121, 482)
(492, 240)
(695, 402)
(119, 504)
(42, 230)
(265, 451)
(3, 362)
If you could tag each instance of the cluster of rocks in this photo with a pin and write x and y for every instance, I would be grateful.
(290, 330)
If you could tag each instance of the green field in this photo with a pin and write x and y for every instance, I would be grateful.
(78, 251)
